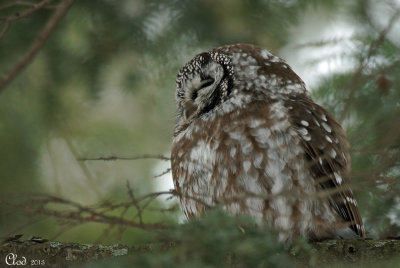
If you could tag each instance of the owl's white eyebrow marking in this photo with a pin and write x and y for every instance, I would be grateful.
(326, 127)
(304, 123)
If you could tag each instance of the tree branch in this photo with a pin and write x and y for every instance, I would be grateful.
(356, 80)
(37, 43)
(113, 157)
(360, 252)
(26, 13)
(21, 3)
(4, 30)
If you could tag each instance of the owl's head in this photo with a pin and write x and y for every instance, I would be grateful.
(223, 74)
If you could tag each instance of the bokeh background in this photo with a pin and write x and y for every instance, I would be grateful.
(104, 85)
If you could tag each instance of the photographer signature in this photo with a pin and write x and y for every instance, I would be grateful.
(12, 259)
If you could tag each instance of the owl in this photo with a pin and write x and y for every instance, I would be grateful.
(249, 139)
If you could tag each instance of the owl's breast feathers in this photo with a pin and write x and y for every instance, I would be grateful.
(282, 161)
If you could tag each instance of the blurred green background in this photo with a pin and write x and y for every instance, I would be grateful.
(104, 84)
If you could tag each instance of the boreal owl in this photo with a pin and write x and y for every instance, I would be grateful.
(249, 139)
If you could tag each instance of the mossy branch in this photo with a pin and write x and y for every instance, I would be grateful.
(51, 253)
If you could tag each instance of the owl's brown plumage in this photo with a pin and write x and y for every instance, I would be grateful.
(249, 138)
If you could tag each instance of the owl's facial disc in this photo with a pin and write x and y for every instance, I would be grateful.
(201, 91)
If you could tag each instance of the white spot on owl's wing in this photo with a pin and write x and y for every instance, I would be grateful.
(303, 131)
(344, 157)
(326, 127)
(304, 123)
(333, 153)
(351, 200)
(328, 139)
(265, 54)
(338, 178)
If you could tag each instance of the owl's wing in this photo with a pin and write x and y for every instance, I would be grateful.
(327, 152)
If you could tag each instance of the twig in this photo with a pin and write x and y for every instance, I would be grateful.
(20, 3)
(83, 166)
(82, 213)
(27, 12)
(5, 29)
(356, 80)
(37, 43)
(113, 158)
(168, 170)
(135, 203)
(28, 4)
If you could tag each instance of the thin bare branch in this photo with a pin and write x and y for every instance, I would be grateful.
(26, 12)
(81, 213)
(91, 180)
(168, 170)
(356, 80)
(37, 44)
(113, 158)
(135, 203)
(4, 30)
(22, 3)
